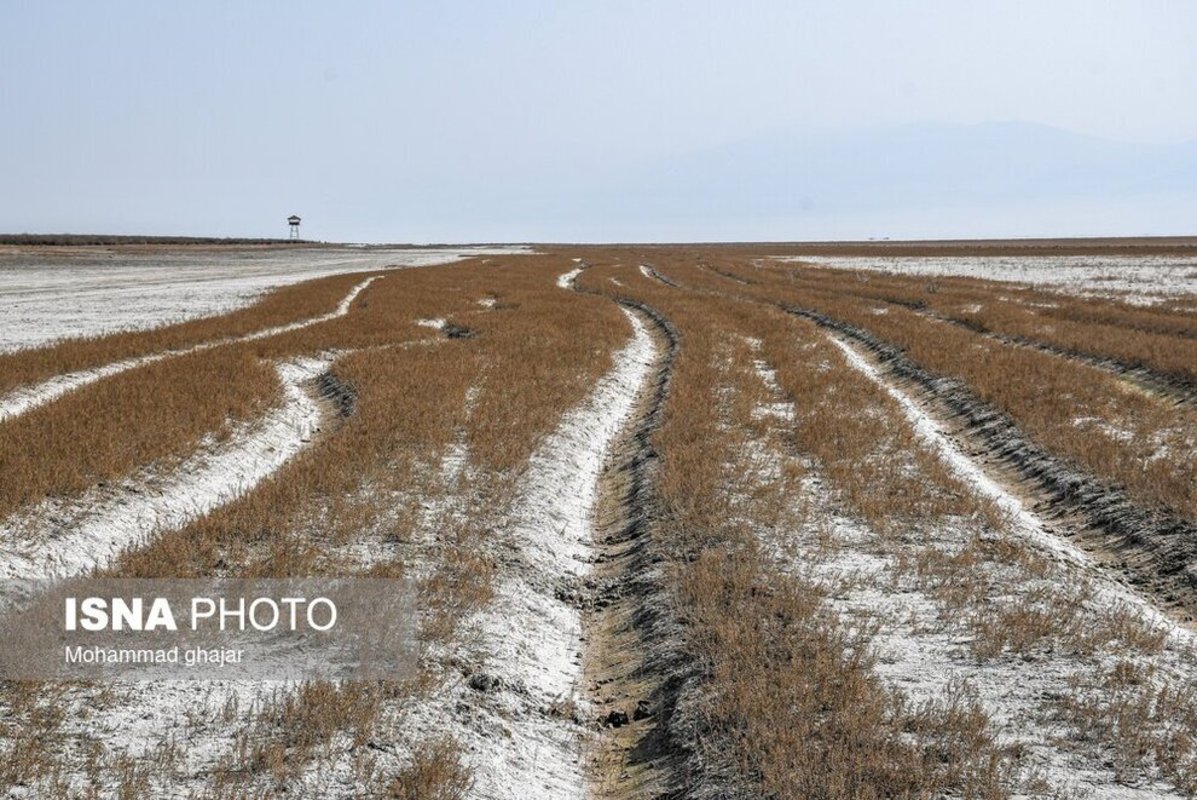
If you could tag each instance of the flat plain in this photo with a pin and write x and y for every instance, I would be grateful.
(737, 521)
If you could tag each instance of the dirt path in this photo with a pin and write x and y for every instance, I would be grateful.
(25, 399)
(626, 654)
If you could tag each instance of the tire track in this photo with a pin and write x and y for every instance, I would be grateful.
(1173, 388)
(650, 272)
(725, 274)
(918, 635)
(529, 682)
(1176, 389)
(632, 668)
(23, 400)
(1154, 549)
(566, 279)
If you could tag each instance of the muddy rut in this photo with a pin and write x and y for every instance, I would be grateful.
(630, 664)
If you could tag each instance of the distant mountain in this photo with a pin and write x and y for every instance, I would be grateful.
(800, 175)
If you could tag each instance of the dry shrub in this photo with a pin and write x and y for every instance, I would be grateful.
(461, 583)
(796, 695)
(288, 731)
(1144, 722)
(436, 772)
(32, 716)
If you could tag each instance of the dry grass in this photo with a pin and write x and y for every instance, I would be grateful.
(747, 624)
(1102, 424)
(795, 692)
(774, 687)
(784, 702)
(32, 717)
(479, 390)
(501, 391)
(151, 416)
(436, 773)
(1144, 722)
(1170, 355)
(533, 355)
(288, 732)
(1154, 336)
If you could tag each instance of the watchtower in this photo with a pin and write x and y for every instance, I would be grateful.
(293, 221)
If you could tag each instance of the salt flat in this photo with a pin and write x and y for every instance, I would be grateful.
(1138, 278)
(52, 294)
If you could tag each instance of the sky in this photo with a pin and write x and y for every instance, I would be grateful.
(575, 121)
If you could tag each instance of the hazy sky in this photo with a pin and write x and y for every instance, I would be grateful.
(417, 121)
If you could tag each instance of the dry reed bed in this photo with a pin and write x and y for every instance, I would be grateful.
(949, 570)
(152, 415)
(282, 306)
(1133, 337)
(1079, 412)
(1057, 321)
(356, 502)
(769, 694)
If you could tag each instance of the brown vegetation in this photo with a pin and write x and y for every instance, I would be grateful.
(531, 356)
(1102, 423)
(150, 416)
(784, 703)
(759, 655)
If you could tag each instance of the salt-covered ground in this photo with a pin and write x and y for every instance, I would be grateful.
(51, 293)
(26, 398)
(533, 637)
(1146, 279)
(929, 659)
